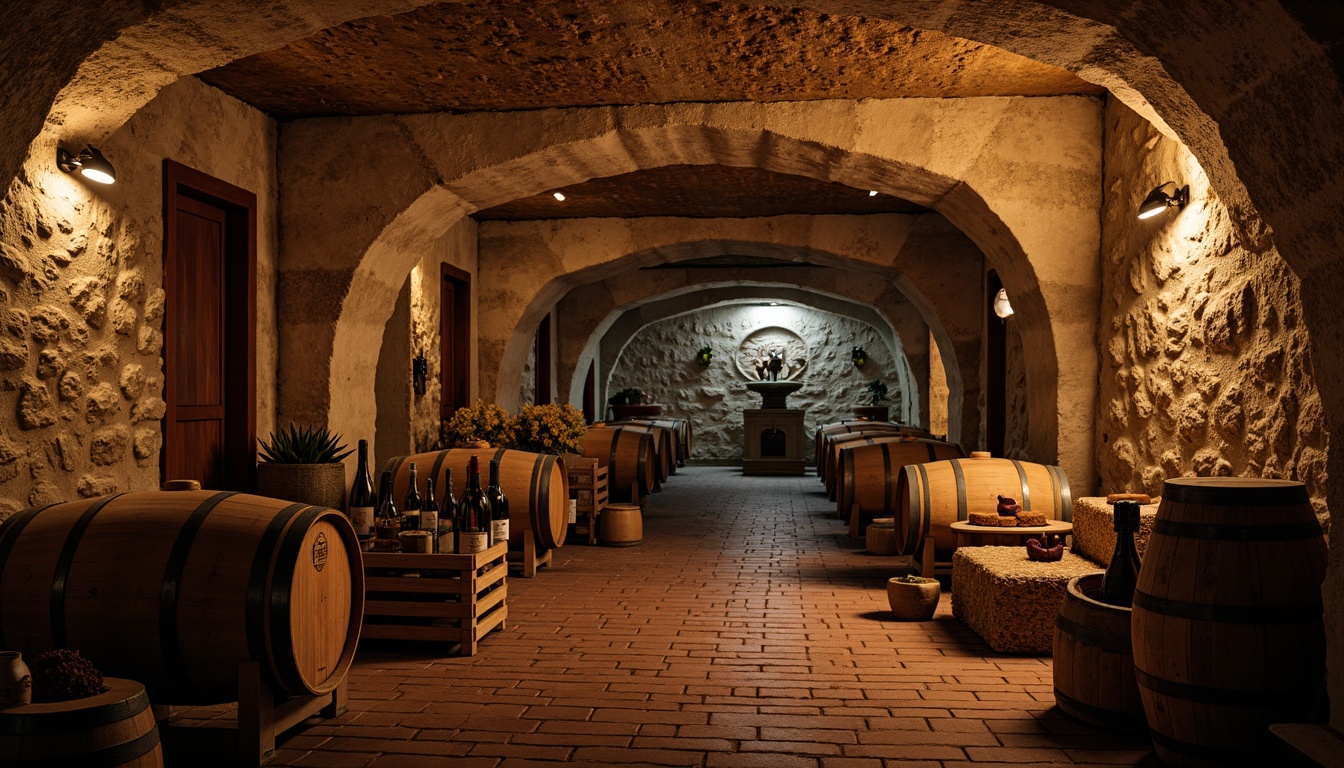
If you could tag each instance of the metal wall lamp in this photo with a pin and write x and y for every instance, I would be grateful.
(1158, 200)
(89, 162)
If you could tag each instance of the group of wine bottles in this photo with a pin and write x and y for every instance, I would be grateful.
(474, 523)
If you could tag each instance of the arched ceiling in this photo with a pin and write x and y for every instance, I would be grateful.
(501, 55)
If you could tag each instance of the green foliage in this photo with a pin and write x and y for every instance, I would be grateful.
(913, 579)
(310, 445)
(628, 396)
(705, 354)
(877, 391)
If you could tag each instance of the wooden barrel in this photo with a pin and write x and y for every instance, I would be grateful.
(620, 525)
(1093, 660)
(869, 475)
(114, 729)
(834, 444)
(537, 486)
(834, 427)
(664, 449)
(868, 428)
(930, 497)
(629, 456)
(681, 430)
(881, 536)
(175, 589)
(1227, 630)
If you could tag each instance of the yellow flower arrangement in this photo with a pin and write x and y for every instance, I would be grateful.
(480, 421)
(550, 428)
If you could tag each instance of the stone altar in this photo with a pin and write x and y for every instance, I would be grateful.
(774, 442)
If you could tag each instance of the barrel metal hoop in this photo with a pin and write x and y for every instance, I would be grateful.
(64, 562)
(9, 536)
(394, 466)
(1106, 641)
(1022, 481)
(108, 757)
(543, 482)
(438, 465)
(961, 490)
(256, 580)
(499, 454)
(887, 479)
(169, 642)
(1229, 614)
(1059, 483)
(287, 672)
(17, 724)
(933, 452)
(1223, 755)
(1274, 495)
(1284, 532)
(927, 512)
(1223, 697)
(1106, 718)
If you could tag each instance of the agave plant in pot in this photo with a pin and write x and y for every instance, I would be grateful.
(303, 465)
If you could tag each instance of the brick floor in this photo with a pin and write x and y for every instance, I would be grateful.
(746, 630)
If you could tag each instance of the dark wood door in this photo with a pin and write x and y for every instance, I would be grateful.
(454, 339)
(209, 331)
(996, 370)
(541, 348)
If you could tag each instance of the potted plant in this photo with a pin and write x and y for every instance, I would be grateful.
(551, 428)
(303, 465)
(705, 354)
(476, 424)
(629, 404)
(913, 598)
(876, 393)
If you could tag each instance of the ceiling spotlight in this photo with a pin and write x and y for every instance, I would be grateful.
(774, 303)
(872, 193)
(1001, 306)
(90, 162)
(1158, 200)
(558, 196)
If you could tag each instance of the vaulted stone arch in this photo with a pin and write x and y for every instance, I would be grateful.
(593, 329)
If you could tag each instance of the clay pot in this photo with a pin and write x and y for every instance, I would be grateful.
(321, 485)
(16, 682)
(913, 601)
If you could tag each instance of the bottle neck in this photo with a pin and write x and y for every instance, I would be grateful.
(494, 474)
(363, 453)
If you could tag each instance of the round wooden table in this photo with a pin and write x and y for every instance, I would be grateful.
(969, 535)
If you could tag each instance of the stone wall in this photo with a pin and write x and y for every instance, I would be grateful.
(1207, 366)
(938, 391)
(660, 360)
(82, 300)
(1015, 420)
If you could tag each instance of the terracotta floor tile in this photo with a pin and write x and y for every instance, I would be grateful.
(745, 630)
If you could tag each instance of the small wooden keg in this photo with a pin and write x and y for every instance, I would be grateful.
(114, 729)
(881, 536)
(620, 525)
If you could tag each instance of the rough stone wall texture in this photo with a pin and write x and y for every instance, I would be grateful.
(660, 359)
(82, 298)
(1207, 365)
(456, 248)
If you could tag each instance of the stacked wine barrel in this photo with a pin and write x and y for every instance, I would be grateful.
(829, 434)
(681, 436)
(630, 456)
(537, 486)
(176, 589)
(664, 449)
(869, 471)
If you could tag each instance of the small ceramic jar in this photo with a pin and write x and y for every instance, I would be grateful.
(16, 682)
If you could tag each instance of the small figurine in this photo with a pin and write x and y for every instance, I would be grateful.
(1008, 507)
(1045, 548)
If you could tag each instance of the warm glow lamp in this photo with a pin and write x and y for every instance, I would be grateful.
(1158, 200)
(1001, 306)
(90, 163)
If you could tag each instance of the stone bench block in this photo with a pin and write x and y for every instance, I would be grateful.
(1009, 600)
(1094, 528)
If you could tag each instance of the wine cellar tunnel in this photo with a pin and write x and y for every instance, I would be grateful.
(645, 183)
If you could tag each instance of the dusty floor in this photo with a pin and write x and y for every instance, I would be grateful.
(746, 630)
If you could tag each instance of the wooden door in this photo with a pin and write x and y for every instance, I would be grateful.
(541, 348)
(209, 280)
(996, 371)
(454, 339)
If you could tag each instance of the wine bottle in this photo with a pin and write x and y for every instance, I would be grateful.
(387, 521)
(1122, 575)
(362, 501)
(429, 515)
(447, 537)
(499, 507)
(473, 514)
(410, 510)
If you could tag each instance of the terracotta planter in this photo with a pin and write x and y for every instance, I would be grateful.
(642, 411)
(913, 602)
(871, 412)
(322, 485)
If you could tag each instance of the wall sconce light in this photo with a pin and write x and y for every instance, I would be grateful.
(1001, 306)
(858, 357)
(90, 163)
(1158, 200)
(419, 374)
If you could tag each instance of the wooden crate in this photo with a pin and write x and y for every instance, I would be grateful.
(588, 486)
(444, 598)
